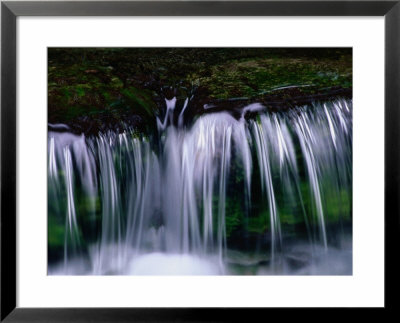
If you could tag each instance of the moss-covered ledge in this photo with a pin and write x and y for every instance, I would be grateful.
(94, 89)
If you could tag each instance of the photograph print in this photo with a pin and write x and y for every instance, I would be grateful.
(199, 161)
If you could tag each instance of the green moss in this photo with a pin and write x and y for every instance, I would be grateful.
(142, 99)
(88, 204)
(338, 206)
(258, 224)
(84, 81)
(233, 215)
(56, 232)
(256, 76)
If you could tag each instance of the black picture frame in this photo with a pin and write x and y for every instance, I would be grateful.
(10, 10)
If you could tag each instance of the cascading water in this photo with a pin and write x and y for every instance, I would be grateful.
(269, 194)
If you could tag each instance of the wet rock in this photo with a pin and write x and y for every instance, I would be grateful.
(298, 260)
(239, 258)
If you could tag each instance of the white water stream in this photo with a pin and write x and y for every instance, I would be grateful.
(128, 207)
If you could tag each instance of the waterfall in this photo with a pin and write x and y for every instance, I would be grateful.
(204, 193)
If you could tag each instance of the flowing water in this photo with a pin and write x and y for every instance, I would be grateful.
(270, 194)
